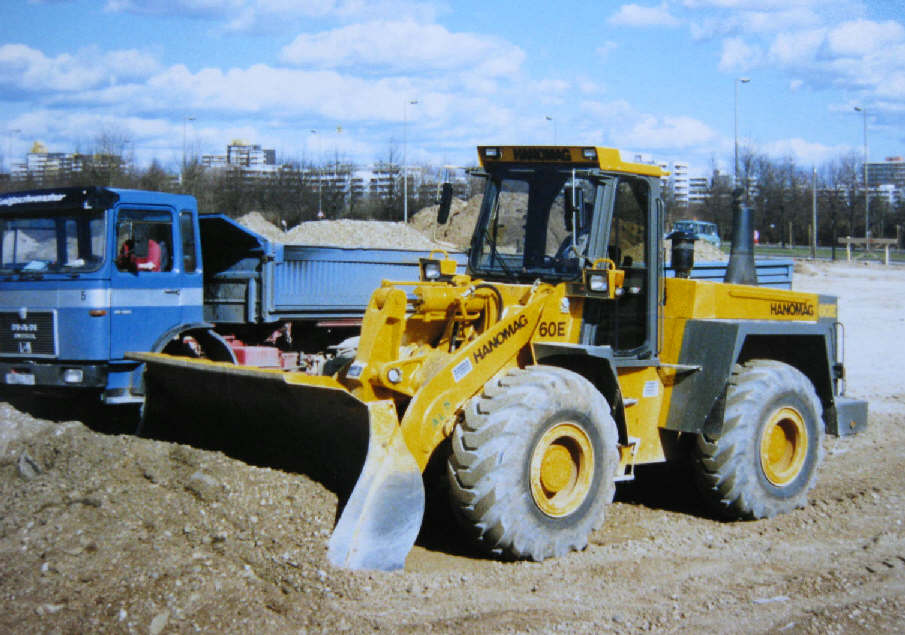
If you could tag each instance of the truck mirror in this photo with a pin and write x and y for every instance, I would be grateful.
(446, 193)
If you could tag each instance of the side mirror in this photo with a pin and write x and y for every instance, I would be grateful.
(574, 208)
(446, 192)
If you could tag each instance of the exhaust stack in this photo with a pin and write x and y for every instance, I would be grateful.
(741, 268)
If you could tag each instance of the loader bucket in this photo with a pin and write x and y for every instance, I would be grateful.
(325, 431)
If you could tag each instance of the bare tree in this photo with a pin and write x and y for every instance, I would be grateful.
(112, 158)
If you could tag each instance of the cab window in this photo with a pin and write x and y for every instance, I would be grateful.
(187, 231)
(628, 234)
(144, 241)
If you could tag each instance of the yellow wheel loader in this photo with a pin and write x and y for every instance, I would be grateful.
(568, 355)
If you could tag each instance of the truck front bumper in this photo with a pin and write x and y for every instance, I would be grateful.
(30, 373)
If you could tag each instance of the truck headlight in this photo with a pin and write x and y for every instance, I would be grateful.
(73, 376)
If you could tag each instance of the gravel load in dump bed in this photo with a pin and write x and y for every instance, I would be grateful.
(368, 234)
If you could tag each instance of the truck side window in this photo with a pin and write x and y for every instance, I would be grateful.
(144, 241)
(628, 234)
(187, 232)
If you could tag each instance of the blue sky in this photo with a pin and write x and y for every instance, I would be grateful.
(647, 77)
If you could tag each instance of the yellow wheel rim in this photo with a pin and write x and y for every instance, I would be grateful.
(562, 469)
(783, 446)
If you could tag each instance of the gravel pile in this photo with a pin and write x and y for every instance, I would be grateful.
(367, 234)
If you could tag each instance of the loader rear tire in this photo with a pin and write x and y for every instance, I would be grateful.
(531, 468)
(765, 459)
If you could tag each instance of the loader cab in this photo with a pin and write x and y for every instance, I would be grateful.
(534, 223)
(550, 213)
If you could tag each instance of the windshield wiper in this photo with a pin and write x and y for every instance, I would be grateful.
(495, 255)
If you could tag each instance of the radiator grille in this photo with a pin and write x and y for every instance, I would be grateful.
(33, 336)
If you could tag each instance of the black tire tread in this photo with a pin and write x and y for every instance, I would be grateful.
(489, 500)
(721, 461)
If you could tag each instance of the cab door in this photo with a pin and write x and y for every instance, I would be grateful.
(146, 288)
(628, 323)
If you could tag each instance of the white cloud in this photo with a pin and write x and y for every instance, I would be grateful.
(859, 55)
(667, 133)
(796, 48)
(759, 22)
(806, 153)
(185, 8)
(623, 126)
(641, 16)
(403, 45)
(862, 37)
(24, 70)
(751, 4)
(739, 55)
(273, 16)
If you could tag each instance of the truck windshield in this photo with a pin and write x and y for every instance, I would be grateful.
(53, 243)
(533, 224)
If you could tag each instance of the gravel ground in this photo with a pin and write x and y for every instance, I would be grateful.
(101, 531)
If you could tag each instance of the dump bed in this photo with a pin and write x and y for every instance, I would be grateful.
(250, 279)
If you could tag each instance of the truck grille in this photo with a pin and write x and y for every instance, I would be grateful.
(31, 337)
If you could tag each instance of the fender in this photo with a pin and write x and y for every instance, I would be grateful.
(597, 364)
(211, 341)
(717, 345)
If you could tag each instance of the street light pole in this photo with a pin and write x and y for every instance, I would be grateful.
(317, 172)
(185, 121)
(553, 121)
(405, 166)
(738, 80)
(866, 186)
(12, 132)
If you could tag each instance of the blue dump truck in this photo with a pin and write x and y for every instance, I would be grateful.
(87, 274)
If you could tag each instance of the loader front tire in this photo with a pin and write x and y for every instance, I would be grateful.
(531, 468)
(765, 459)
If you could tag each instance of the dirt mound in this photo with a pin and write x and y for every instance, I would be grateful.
(458, 229)
(703, 252)
(105, 533)
(341, 233)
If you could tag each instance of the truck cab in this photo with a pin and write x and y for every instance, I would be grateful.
(87, 274)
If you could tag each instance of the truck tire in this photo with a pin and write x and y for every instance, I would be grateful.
(765, 459)
(531, 468)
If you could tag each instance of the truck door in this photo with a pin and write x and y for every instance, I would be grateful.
(146, 287)
(628, 323)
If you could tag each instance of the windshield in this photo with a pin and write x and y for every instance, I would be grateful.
(534, 224)
(67, 242)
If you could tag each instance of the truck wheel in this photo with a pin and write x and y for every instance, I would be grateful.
(765, 459)
(531, 468)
